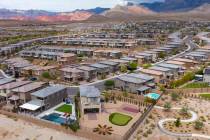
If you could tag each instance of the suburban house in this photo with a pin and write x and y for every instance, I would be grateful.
(144, 58)
(66, 59)
(188, 62)
(69, 74)
(130, 59)
(197, 56)
(45, 98)
(102, 70)
(114, 66)
(90, 73)
(23, 94)
(4, 81)
(38, 71)
(168, 73)
(90, 99)
(110, 54)
(159, 76)
(176, 68)
(176, 63)
(6, 89)
(135, 83)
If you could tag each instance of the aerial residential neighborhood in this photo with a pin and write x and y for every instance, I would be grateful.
(105, 70)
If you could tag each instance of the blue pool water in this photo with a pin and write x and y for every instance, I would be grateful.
(54, 117)
(154, 96)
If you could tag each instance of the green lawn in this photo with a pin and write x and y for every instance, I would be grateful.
(205, 95)
(119, 119)
(197, 85)
(65, 108)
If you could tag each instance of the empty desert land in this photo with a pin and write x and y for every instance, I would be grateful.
(12, 129)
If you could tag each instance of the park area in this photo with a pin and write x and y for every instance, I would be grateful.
(170, 111)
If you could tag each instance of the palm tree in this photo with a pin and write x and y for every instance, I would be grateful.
(103, 130)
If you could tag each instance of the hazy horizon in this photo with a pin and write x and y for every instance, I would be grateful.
(63, 5)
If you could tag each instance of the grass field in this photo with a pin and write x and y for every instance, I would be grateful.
(65, 108)
(197, 85)
(119, 119)
(205, 95)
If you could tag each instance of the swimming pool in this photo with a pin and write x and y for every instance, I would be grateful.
(54, 117)
(154, 96)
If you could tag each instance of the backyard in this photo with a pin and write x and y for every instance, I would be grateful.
(118, 116)
(119, 119)
(64, 108)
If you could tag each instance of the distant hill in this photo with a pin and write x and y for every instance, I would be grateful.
(125, 11)
(175, 5)
(42, 15)
(97, 10)
(202, 9)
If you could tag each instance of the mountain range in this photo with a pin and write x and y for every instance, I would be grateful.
(130, 10)
(175, 5)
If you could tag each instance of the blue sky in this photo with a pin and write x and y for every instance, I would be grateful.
(61, 5)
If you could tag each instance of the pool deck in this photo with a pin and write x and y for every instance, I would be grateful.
(53, 110)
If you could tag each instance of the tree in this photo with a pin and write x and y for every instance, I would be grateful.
(123, 68)
(133, 66)
(109, 84)
(174, 96)
(46, 75)
(146, 66)
(198, 125)
(106, 96)
(167, 106)
(177, 122)
(162, 55)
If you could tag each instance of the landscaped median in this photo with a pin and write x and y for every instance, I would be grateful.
(119, 119)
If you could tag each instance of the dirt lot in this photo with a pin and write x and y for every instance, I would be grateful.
(13, 129)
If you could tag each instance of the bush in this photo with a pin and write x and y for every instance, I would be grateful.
(167, 106)
(46, 75)
(177, 122)
(198, 125)
(74, 126)
(123, 68)
(187, 77)
(146, 66)
(132, 66)
(109, 84)
(174, 96)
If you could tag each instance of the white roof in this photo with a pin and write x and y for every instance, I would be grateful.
(30, 106)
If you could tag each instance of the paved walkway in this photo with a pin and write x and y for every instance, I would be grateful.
(192, 119)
